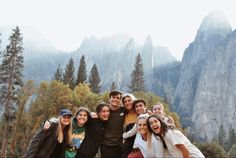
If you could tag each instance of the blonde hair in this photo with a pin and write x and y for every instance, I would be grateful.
(60, 134)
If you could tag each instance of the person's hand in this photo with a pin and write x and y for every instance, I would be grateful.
(93, 115)
(125, 135)
(149, 112)
(46, 125)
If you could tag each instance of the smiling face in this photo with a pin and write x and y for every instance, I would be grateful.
(140, 108)
(128, 103)
(155, 125)
(82, 118)
(158, 109)
(104, 113)
(115, 101)
(142, 127)
(65, 120)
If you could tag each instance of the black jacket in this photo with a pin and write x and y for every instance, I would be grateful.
(43, 144)
(93, 139)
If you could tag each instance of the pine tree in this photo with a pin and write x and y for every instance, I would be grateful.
(231, 137)
(221, 136)
(58, 74)
(82, 72)
(11, 81)
(68, 76)
(113, 86)
(137, 76)
(94, 80)
(232, 151)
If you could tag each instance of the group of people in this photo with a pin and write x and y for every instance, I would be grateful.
(122, 128)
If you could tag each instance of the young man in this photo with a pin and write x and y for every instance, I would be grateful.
(112, 143)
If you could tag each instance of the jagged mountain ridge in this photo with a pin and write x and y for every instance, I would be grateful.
(198, 96)
(120, 60)
(116, 52)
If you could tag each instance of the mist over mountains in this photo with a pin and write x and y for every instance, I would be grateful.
(201, 88)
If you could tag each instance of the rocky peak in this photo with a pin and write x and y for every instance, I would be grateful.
(215, 22)
(130, 45)
(148, 42)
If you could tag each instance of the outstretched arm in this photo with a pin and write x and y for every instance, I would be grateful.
(131, 132)
(47, 123)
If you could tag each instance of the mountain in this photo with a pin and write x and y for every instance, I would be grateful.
(204, 93)
(114, 56)
(41, 58)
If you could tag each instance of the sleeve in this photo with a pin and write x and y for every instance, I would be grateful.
(54, 120)
(35, 143)
(130, 133)
(137, 141)
(157, 146)
(175, 137)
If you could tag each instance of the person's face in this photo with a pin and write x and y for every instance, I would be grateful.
(65, 120)
(158, 109)
(142, 126)
(115, 100)
(82, 118)
(128, 103)
(140, 108)
(104, 113)
(155, 125)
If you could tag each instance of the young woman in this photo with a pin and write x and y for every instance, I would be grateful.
(94, 133)
(130, 120)
(52, 143)
(158, 109)
(144, 136)
(174, 141)
(78, 131)
(140, 108)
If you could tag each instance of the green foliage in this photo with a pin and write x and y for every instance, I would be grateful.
(68, 76)
(231, 138)
(94, 80)
(82, 72)
(58, 74)
(82, 96)
(232, 151)
(113, 86)
(11, 81)
(222, 136)
(137, 76)
(51, 98)
(212, 150)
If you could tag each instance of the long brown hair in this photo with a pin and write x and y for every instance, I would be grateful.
(164, 129)
(60, 132)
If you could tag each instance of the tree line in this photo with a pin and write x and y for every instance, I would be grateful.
(26, 106)
(67, 76)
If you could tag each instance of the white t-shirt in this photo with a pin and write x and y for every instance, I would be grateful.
(157, 148)
(174, 137)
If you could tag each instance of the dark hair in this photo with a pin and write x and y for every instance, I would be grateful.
(80, 109)
(164, 129)
(139, 100)
(114, 92)
(100, 106)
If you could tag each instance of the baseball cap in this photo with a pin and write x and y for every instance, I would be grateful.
(64, 112)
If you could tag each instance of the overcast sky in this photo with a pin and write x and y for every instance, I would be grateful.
(170, 23)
